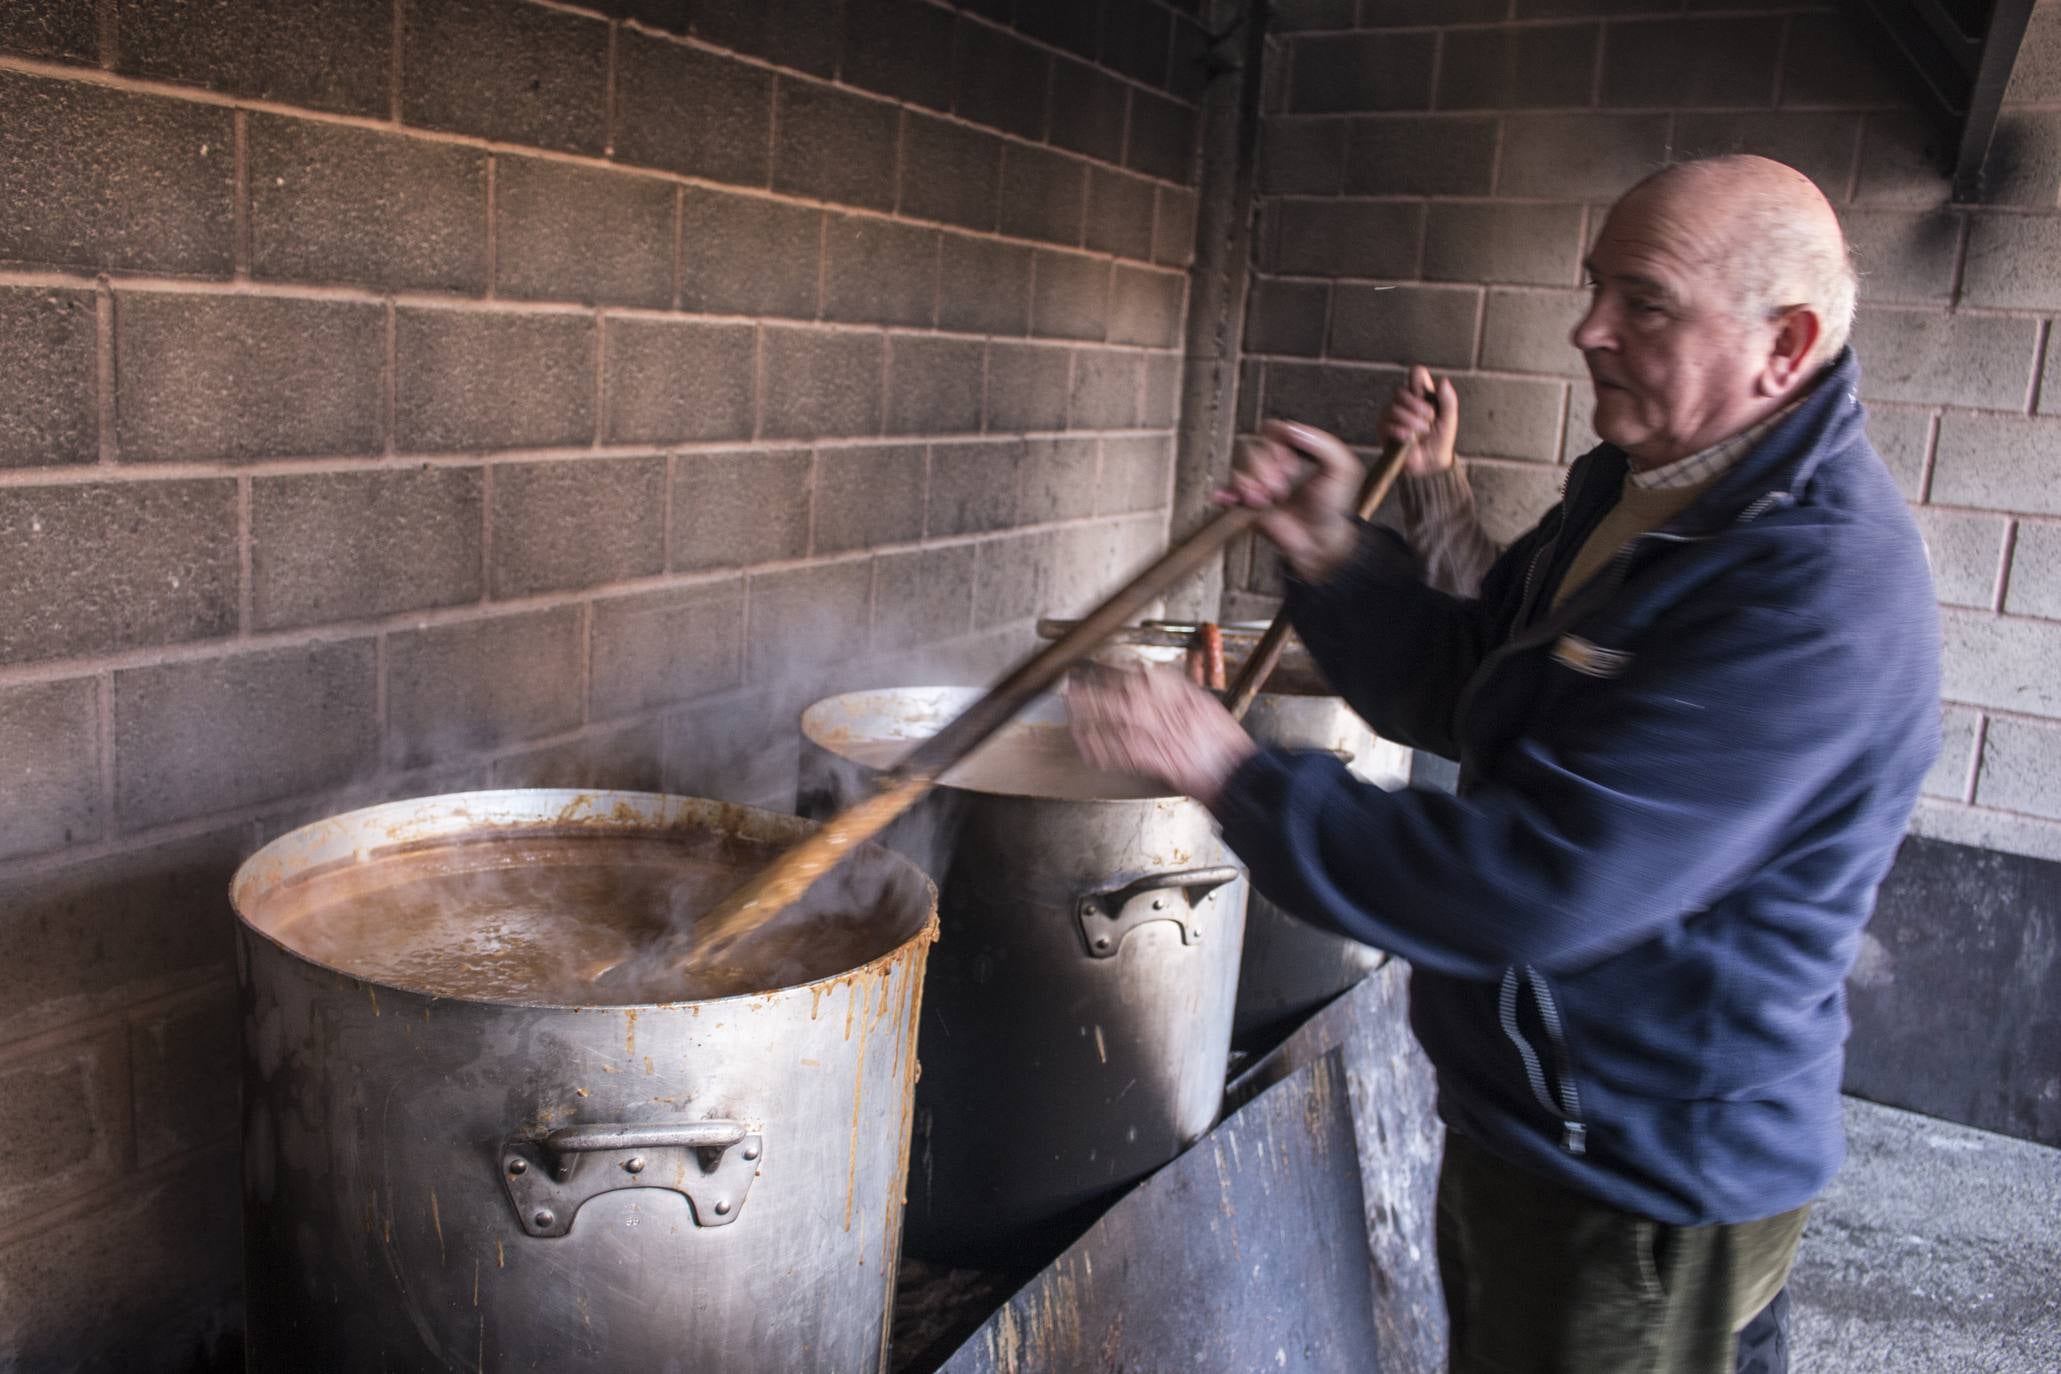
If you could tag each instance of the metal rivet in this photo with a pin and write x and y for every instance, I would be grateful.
(751, 1152)
(543, 1219)
(635, 1164)
(518, 1166)
(1090, 909)
(723, 1208)
(1159, 904)
(1102, 942)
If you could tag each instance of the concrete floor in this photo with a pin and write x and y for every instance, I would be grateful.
(1937, 1250)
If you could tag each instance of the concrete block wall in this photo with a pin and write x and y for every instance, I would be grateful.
(1432, 173)
(413, 395)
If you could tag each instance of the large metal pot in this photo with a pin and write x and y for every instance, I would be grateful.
(1078, 1015)
(1290, 967)
(435, 1183)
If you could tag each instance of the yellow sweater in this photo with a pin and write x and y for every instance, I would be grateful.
(1638, 511)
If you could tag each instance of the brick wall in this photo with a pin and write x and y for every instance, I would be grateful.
(410, 395)
(1432, 172)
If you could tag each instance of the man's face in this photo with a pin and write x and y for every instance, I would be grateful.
(1673, 364)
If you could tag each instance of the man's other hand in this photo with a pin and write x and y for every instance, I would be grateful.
(1311, 524)
(1156, 724)
(1426, 416)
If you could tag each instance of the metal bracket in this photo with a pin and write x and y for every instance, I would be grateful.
(1107, 917)
(710, 1163)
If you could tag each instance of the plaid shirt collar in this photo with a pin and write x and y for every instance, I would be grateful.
(1707, 465)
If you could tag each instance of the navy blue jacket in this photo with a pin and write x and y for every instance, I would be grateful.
(1631, 927)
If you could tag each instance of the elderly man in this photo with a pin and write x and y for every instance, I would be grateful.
(1692, 708)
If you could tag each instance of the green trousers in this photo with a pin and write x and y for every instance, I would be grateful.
(1542, 1280)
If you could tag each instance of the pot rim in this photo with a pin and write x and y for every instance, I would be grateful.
(817, 730)
(604, 810)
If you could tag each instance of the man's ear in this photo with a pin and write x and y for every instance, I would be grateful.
(1790, 361)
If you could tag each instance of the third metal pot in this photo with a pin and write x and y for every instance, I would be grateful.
(1290, 967)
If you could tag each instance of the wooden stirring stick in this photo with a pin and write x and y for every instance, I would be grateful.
(1259, 664)
(783, 882)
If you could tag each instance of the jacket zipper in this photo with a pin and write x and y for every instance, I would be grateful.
(1565, 1107)
(1550, 627)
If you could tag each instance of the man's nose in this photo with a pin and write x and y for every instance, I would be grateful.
(1592, 329)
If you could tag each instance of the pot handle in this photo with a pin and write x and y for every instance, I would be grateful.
(1107, 917)
(710, 1163)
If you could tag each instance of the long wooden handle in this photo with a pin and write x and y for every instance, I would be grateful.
(1044, 668)
(1259, 664)
(783, 882)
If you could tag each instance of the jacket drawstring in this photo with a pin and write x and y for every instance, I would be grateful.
(1567, 1110)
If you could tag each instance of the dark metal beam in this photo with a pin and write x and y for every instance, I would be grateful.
(1227, 188)
(1957, 69)
(2000, 45)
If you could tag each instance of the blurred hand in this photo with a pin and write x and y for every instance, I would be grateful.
(1311, 524)
(1154, 723)
(1431, 424)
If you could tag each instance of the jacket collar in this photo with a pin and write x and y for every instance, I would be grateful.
(1778, 467)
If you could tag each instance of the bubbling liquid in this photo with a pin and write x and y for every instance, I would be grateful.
(532, 918)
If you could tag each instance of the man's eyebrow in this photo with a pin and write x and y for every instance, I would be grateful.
(1628, 278)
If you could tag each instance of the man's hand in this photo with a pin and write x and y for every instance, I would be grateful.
(1411, 418)
(1156, 724)
(1312, 524)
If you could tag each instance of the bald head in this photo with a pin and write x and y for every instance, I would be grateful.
(1766, 230)
(1719, 291)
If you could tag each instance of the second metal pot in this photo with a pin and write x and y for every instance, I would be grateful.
(1077, 1015)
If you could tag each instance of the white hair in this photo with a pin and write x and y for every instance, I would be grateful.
(1781, 260)
(1784, 247)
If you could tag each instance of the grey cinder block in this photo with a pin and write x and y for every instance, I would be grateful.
(106, 179)
(879, 271)
(49, 371)
(658, 649)
(868, 496)
(50, 751)
(1433, 325)
(580, 233)
(333, 203)
(99, 568)
(577, 522)
(691, 111)
(1969, 360)
(454, 690)
(835, 145)
(950, 173)
(472, 380)
(1542, 66)
(805, 618)
(983, 286)
(746, 255)
(323, 54)
(736, 508)
(1692, 63)
(1335, 74)
(1420, 155)
(330, 546)
(305, 716)
(525, 75)
(247, 376)
(934, 385)
(670, 381)
(821, 383)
